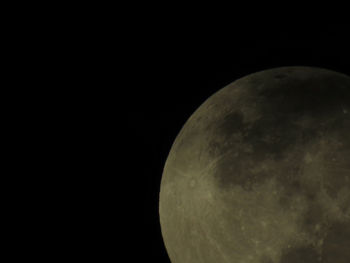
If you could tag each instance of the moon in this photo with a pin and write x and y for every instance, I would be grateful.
(260, 173)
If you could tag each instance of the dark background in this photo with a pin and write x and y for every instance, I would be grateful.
(178, 68)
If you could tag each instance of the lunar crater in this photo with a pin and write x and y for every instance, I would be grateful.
(265, 168)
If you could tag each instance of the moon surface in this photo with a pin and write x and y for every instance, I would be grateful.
(260, 173)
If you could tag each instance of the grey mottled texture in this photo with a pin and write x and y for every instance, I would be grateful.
(260, 173)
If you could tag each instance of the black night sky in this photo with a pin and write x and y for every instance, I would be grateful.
(180, 69)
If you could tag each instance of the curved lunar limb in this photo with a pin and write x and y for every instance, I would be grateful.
(260, 173)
